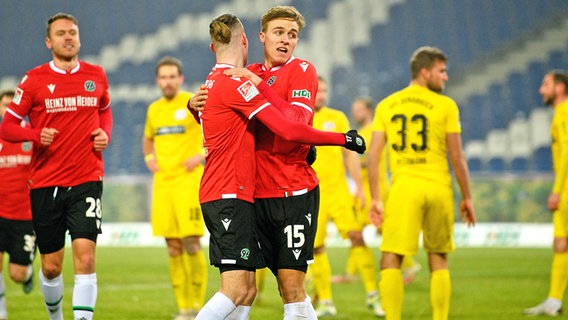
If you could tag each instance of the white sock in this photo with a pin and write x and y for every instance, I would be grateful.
(240, 313)
(295, 311)
(217, 308)
(310, 308)
(84, 296)
(29, 273)
(3, 311)
(53, 295)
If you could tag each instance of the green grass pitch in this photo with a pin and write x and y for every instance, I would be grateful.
(487, 283)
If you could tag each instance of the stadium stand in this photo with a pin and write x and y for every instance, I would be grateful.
(499, 51)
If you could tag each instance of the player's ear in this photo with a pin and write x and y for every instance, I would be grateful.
(261, 37)
(211, 46)
(48, 43)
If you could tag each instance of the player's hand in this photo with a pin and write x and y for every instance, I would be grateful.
(376, 212)
(151, 163)
(243, 73)
(47, 135)
(467, 212)
(197, 102)
(100, 139)
(193, 162)
(353, 141)
(553, 201)
(312, 155)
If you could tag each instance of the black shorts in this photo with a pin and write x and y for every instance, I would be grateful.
(17, 238)
(56, 210)
(287, 229)
(233, 238)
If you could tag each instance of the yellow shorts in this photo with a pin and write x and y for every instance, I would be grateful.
(176, 212)
(336, 204)
(416, 205)
(560, 216)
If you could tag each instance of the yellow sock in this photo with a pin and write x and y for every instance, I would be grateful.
(558, 275)
(391, 288)
(366, 266)
(321, 270)
(198, 277)
(407, 262)
(178, 275)
(440, 292)
(260, 280)
(351, 265)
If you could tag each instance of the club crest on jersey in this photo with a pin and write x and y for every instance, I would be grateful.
(90, 86)
(248, 90)
(26, 146)
(271, 81)
(303, 93)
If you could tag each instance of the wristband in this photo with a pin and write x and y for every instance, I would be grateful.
(149, 156)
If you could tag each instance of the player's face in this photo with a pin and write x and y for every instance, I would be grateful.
(64, 40)
(279, 40)
(359, 112)
(547, 90)
(321, 95)
(4, 103)
(437, 76)
(169, 80)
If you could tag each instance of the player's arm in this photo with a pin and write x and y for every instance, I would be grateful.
(376, 210)
(459, 164)
(101, 135)
(149, 155)
(353, 167)
(302, 133)
(10, 130)
(197, 102)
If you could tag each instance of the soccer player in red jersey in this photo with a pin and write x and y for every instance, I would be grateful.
(68, 105)
(228, 183)
(17, 236)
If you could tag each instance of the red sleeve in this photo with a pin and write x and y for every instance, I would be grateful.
(298, 132)
(10, 130)
(272, 96)
(193, 112)
(105, 121)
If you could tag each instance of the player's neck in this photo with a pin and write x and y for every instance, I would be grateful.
(64, 64)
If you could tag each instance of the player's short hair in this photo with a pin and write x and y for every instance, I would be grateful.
(57, 16)
(560, 76)
(170, 61)
(367, 102)
(424, 57)
(221, 28)
(7, 93)
(282, 12)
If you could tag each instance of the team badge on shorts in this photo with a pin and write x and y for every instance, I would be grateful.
(245, 254)
(90, 86)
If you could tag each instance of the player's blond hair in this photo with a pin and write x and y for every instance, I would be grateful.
(57, 16)
(424, 57)
(282, 12)
(222, 27)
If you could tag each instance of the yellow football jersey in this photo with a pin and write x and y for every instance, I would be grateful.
(416, 121)
(176, 135)
(559, 134)
(329, 163)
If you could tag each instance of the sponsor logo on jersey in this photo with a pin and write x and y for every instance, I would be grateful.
(271, 81)
(248, 90)
(304, 65)
(90, 86)
(303, 93)
(18, 96)
(170, 130)
(51, 87)
(69, 103)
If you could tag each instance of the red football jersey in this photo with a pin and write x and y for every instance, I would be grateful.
(281, 168)
(228, 136)
(68, 101)
(15, 159)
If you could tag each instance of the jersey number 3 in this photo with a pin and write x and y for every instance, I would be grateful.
(418, 125)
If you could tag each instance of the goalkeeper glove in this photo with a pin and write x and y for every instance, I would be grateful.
(353, 141)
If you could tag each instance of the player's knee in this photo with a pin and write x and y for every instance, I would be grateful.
(18, 274)
(192, 245)
(51, 270)
(319, 250)
(356, 238)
